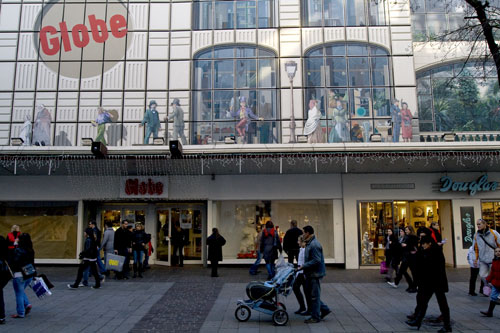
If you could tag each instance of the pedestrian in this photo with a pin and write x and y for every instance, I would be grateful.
(4, 275)
(254, 269)
(22, 256)
(178, 242)
(392, 254)
(290, 241)
(494, 280)
(139, 242)
(269, 246)
(431, 279)
(108, 240)
(409, 251)
(215, 243)
(436, 233)
(89, 260)
(300, 281)
(123, 247)
(314, 270)
(474, 272)
(485, 241)
(149, 251)
(13, 237)
(100, 267)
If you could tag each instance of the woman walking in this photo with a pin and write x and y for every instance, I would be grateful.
(89, 259)
(269, 246)
(22, 256)
(392, 254)
(138, 242)
(409, 250)
(300, 280)
(215, 243)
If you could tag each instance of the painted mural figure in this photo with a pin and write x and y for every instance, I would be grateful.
(396, 120)
(26, 131)
(245, 116)
(340, 131)
(103, 117)
(178, 116)
(41, 128)
(152, 121)
(312, 128)
(406, 117)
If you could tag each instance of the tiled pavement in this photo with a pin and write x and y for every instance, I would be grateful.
(187, 299)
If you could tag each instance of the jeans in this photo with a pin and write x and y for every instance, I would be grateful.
(149, 130)
(494, 294)
(138, 261)
(21, 299)
(255, 266)
(101, 270)
(271, 268)
(313, 290)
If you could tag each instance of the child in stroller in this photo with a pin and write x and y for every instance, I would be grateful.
(263, 296)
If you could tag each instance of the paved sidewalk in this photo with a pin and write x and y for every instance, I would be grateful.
(188, 300)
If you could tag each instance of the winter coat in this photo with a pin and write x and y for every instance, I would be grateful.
(178, 237)
(12, 238)
(494, 276)
(484, 251)
(431, 271)
(139, 240)
(270, 244)
(290, 241)
(89, 249)
(123, 239)
(108, 240)
(314, 262)
(436, 235)
(411, 242)
(215, 244)
(19, 258)
(393, 249)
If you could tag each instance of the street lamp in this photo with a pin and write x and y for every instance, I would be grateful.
(291, 68)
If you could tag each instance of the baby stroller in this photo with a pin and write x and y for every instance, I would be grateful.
(263, 296)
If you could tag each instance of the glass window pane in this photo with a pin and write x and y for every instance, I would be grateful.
(360, 102)
(434, 6)
(223, 74)
(423, 86)
(265, 14)
(312, 13)
(338, 115)
(222, 129)
(203, 74)
(267, 104)
(456, 21)
(357, 50)
(443, 71)
(201, 133)
(380, 71)
(268, 131)
(224, 15)
(317, 53)
(267, 73)
(436, 25)
(418, 27)
(246, 12)
(265, 53)
(205, 54)
(355, 12)
(376, 10)
(424, 107)
(334, 50)
(381, 102)
(426, 127)
(203, 15)
(202, 105)
(223, 104)
(359, 72)
(246, 52)
(378, 51)
(334, 13)
(417, 6)
(225, 52)
(314, 73)
(246, 73)
(337, 72)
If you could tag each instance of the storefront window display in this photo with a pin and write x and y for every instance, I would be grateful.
(491, 213)
(238, 222)
(52, 226)
(377, 217)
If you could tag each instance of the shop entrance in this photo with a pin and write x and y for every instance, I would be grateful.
(377, 217)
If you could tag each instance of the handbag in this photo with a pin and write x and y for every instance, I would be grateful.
(383, 268)
(28, 271)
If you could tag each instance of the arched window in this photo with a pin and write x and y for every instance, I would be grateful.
(352, 85)
(458, 97)
(227, 14)
(339, 13)
(224, 76)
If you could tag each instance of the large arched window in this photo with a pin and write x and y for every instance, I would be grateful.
(222, 76)
(353, 86)
(459, 97)
(339, 13)
(227, 14)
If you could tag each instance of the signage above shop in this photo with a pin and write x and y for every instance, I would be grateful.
(482, 184)
(143, 187)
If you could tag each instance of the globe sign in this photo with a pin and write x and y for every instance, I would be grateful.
(74, 38)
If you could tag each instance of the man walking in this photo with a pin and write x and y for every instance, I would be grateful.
(314, 270)
(100, 267)
(108, 241)
(485, 242)
(123, 247)
(290, 242)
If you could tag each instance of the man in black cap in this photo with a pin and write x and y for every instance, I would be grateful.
(178, 116)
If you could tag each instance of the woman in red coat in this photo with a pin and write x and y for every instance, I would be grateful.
(406, 118)
(494, 279)
(13, 237)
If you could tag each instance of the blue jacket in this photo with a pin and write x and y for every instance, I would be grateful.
(314, 262)
(151, 118)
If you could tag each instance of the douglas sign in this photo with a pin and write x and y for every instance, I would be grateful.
(83, 35)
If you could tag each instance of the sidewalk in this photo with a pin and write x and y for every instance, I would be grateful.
(188, 300)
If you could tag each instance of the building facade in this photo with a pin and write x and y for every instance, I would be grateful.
(365, 173)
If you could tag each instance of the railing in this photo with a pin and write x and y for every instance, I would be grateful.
(460, 136)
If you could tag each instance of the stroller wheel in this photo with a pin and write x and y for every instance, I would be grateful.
(242, 313)
(282, 306)
(280, 317)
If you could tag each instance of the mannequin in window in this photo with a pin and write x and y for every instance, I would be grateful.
(396, 120)
(312, 128)
(41, 128)
(178, 116)
(339, 132)
(103, 117)
(245, 115)
(26, 131)
(152, 121)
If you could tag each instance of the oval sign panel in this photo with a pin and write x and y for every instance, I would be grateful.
(81, 40)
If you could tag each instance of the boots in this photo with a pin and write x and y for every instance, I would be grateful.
(489, 313)
(135, 270)
(140, 270)
(417, 322)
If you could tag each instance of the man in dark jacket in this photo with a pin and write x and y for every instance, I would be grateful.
(431, 279)
(89, 258)
(314, 270)
(123, 247)
(100, 266)
(215, 243)
(290, 241)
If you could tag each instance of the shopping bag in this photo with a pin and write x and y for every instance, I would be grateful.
(40, 288)
(486, 290)
(383, 268)
(114, 262)
(281, 261)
